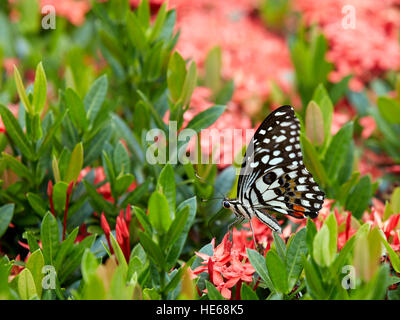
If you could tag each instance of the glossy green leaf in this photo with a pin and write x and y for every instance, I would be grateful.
(39, 89)
(338, 147)
(389, 109)
(21, 91)
(75, 163)
(159, 215)
(95, 97)
(6, 214)
(277, 271)
(258, 262)
(36, 203)
(176, 75)
(49, 236)
(78, 113)
(296, 250)
(15, 132)
(358, 199)
(314, 124)
(35, 265)
(166, 185)
(26, 285)
(152, 249)
(247, 293)
(321, 251)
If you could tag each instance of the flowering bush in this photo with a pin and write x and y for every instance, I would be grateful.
(103, 106)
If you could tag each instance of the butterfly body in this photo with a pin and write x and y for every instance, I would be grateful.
(273, 176)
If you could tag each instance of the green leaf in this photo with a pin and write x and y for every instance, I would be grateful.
(153, 250)
(95, 97)
(26, 285)
(338, 147)
(158, 23)
(389, 109)
(258, 262)
(277, 271)
(121, 159)
(212, 292)
(159, 215)
(394, 258)
(395, 200)
(345, 188)
(35, 265)
(17, 166)
(123, 183)
(321, 251)
(97, 201)
(248, 293)
(36, 203)
(178, 245)
(338, 90)
(135, 32)
(6, 214)
(176, 75)
(39, 89)
(59, 196)
(21, 92)
(358, 199)
(312, 161)
(75, 163)
(151, 294)
(314, 283)
(176, 279)
(49, 236)
(314, 124)
(333, 236)
(226, 93)
(177, 226)
(78, 113)
(33, 126)
(143, 219)
(322, 99)
(189, 84)
(166, 185)
(89, 265)
(205, 118)
(213, 65)
(118, 253)
(65, 248)
(279, 246)
(310, 235)
(296, 250)
(15, 132)
(33, 245)
(143, 13)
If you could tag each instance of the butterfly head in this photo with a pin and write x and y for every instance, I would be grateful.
(226, 204)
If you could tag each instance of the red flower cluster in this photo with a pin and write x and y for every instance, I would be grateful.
(227, 267)
(229, 264)
(368, 49)
(121, 231)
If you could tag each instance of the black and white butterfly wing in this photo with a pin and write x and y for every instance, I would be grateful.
(273, 176)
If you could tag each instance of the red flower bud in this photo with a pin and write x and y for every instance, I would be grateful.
(128, 215)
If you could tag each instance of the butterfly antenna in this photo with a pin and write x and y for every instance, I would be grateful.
(204, 180)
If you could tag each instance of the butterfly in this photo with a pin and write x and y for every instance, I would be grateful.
(273, 176)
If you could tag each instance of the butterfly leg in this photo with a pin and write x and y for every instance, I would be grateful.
(258, 247)
(237, 220)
